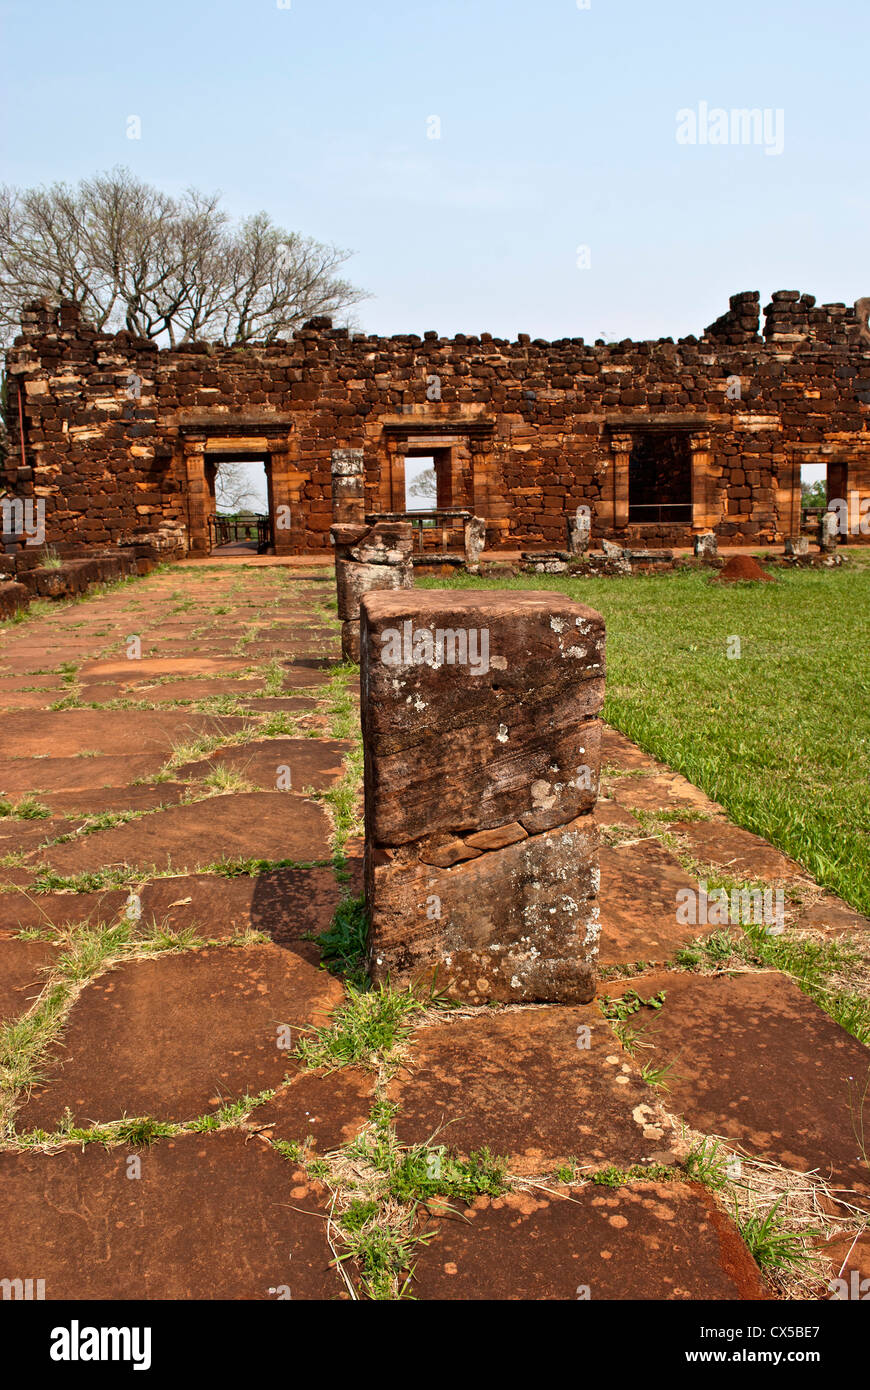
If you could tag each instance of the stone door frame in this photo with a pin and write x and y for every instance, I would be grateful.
(203, 445)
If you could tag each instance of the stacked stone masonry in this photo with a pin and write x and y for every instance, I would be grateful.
(368, 558)
(482, 761)
(122, 439)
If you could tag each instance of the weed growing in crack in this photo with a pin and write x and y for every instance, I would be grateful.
(771, 1245)
(371, 1022)
(706, 1163)
(28, 808)
(620, 1009)
(343, 944)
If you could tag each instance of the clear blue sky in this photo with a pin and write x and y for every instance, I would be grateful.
(558, 129)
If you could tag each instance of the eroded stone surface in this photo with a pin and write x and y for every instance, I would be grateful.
(537, 1086)
(176, 1036)
(757, 1061)
(520, 923)
(211, 1216)
(639, 886)
(646, 1241)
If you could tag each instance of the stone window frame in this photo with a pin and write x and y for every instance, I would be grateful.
(465, 447)
(621, 437)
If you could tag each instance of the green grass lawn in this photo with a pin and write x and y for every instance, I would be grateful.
(779, 736)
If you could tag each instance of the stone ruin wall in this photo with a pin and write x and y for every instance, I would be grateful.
(119, 435)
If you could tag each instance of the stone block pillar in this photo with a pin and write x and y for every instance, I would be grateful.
(366, 558)
(199, 498)
(482, 759)
(829, 532)
(622, 445)
(287, 500)
(700, 445)
(578, 525)
(348, 478)
(475, 540)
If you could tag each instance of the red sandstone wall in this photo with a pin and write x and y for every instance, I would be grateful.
(541, 419)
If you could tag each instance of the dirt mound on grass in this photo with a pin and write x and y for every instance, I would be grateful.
(742, 567)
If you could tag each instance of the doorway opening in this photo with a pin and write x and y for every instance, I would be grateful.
(240, 516)
(660, 478)
(816, 488)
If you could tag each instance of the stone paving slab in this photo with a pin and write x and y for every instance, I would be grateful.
(169, 692)
(296, 704)
(755, 1060)
(267, 825)
(299, 676)
(77, 772)
(64, 733)
(619, 751)
(29, 700)
(16, 685)
(20, 911)
(742, 854)
(850, 1261)
(82, 805)
(287, 904)
(315, 763)
(645, 1241)
(609, 812)
(22, 967)
(832, 916)
(26, 835)
(517, 1083)
(328, 1109)
(638, 898)
(214, 1216)
(662, 791)
(178, 1035)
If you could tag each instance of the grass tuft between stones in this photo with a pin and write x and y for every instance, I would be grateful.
(371, 1023)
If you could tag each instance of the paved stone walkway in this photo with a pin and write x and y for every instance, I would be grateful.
(176, 828)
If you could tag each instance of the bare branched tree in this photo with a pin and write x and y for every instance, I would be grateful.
(425, 485)
(172, 269)
(232, 488)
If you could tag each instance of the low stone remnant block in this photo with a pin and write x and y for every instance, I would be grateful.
(706, 545)
(797, 545)
(482, 760)
(368, 558)
(648, 557)
(12, 597)
(546, 561)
